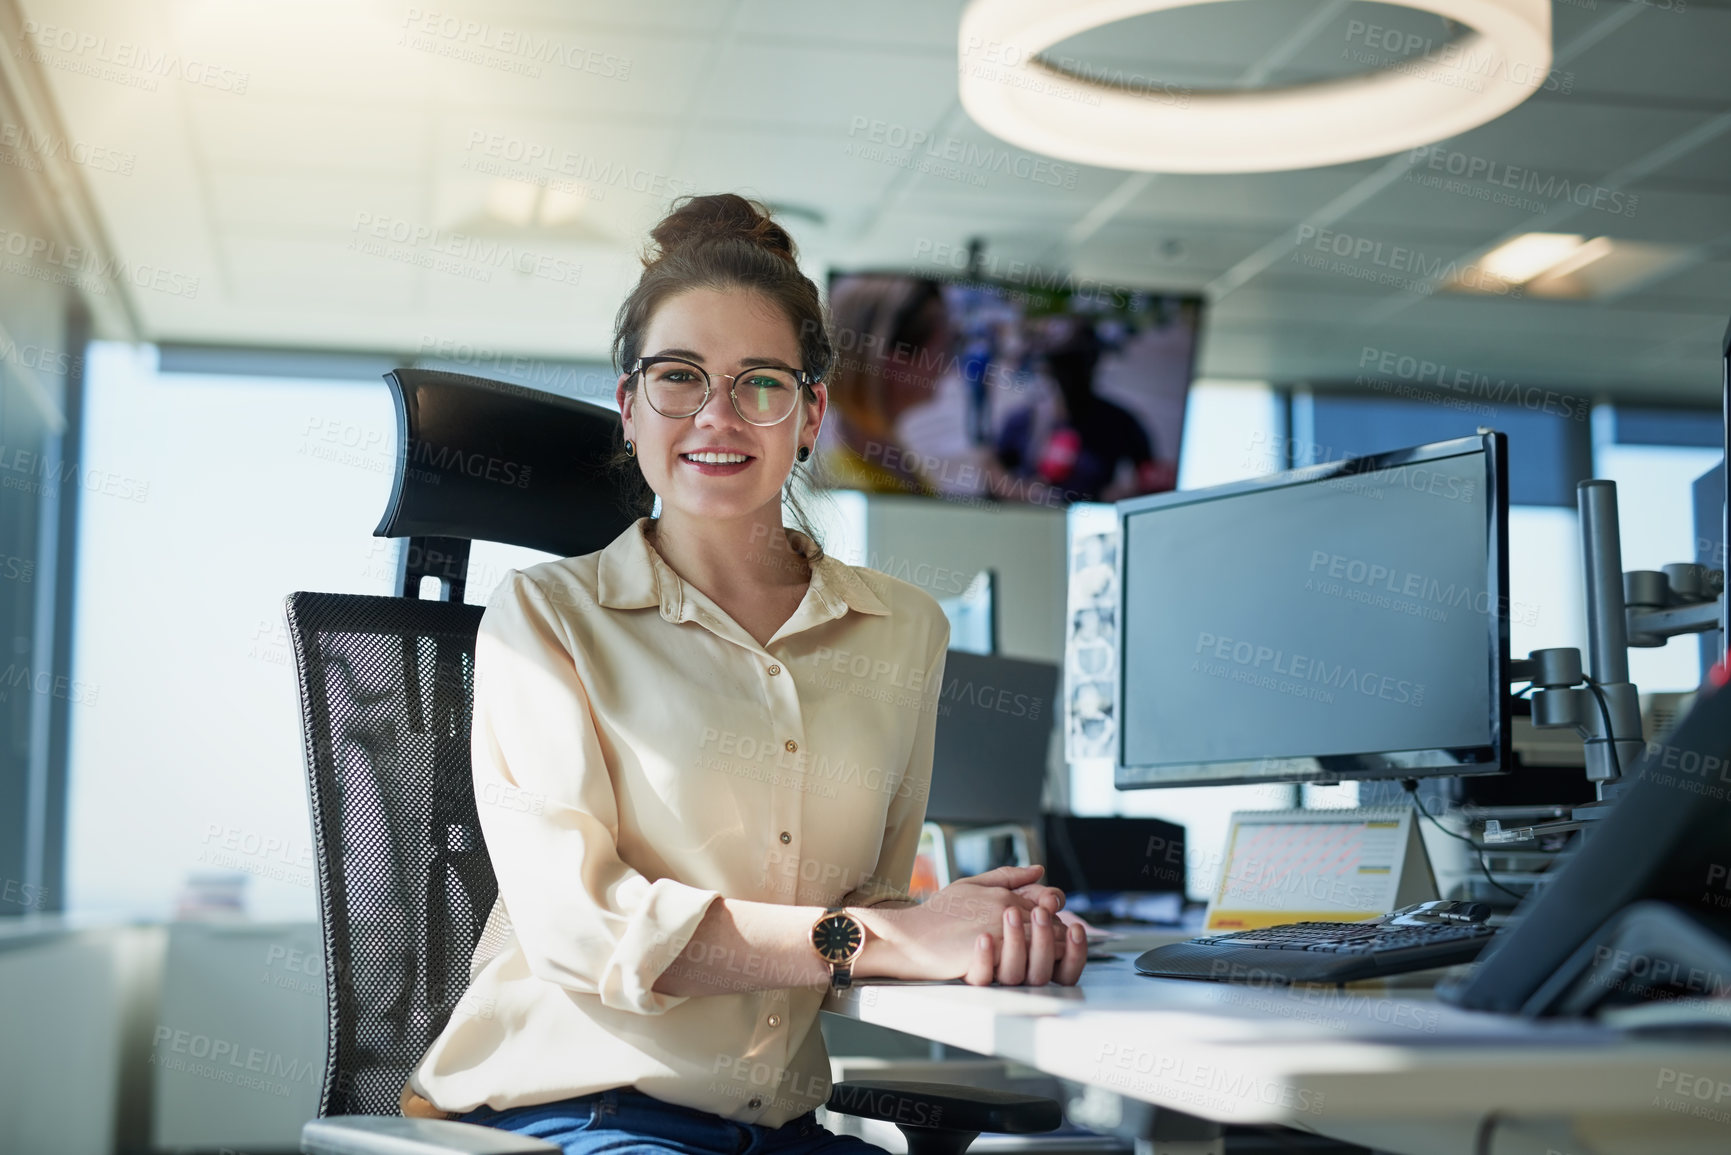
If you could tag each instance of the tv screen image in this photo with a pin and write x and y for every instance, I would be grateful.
(984, 390)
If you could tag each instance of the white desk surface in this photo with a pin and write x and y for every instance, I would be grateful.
(1381, 1064)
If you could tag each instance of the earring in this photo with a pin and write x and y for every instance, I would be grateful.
(630, 449)
(804, 452)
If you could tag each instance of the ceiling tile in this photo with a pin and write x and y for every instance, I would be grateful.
(446, 127)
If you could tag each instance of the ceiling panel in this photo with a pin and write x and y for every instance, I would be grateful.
(864, 95)
(1475, 208)
(1707, 166)
(316, 274)
(965, 169)
(1681, 218)
(641, 77)
(1657, 53)
(1698, 288)
(1272, 199)
(662, 18)
(563, 131)
(614, 176)
(808, 169)
(917, 26)
(311, 204)
(1572, 135)
(299, 134)
(1180, 253)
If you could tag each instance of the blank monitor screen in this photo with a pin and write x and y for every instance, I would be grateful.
(1347, 620)
(994, 729)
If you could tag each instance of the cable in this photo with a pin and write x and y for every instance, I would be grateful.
(1610, 733)
(1487, 1130)
(1410, 785)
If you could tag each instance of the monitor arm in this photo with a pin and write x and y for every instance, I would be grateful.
(1638, 608)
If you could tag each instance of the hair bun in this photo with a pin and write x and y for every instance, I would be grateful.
(701, 220)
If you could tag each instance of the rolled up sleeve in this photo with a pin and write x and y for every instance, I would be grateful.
(893, 875)
(585, 919)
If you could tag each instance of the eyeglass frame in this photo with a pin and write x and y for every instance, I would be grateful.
(801, 377)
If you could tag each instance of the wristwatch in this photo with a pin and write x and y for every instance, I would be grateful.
(838, 937)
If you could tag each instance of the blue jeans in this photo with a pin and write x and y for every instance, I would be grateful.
(624, 1121)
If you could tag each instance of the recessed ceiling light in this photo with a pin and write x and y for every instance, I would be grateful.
(1520, 260)
(531, 214)
(1603, 269)
(1565, 266)
(1151, 127)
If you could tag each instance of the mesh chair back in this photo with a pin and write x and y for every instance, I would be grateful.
(405, 885)
(387, 689)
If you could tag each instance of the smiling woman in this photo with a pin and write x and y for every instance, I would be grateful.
(722, 825)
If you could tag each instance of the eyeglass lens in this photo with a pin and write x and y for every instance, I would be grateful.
(762, 396)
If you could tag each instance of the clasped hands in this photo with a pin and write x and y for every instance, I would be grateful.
(1002, 926)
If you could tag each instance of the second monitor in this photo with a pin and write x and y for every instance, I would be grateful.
(1346, 620)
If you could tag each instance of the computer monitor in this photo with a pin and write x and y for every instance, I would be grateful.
(995, 724)
(1345, 620)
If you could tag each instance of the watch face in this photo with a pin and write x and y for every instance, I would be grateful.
(837, 938)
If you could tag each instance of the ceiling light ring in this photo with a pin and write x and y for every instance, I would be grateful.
(1465, 83)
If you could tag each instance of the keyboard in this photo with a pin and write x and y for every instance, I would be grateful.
(1319, 952)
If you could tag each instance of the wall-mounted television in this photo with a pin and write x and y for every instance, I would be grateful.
(987, 390)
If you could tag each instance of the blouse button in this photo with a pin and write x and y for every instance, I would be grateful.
(792, 745)
(755, 1103)
(786, 838)
(774, 669)
(775, 1020)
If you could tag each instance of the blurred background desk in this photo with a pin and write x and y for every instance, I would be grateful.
(169, 1036)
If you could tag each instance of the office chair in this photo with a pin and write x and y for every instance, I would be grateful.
(386, 691)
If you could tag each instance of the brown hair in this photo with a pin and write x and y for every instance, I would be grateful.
(723, 241)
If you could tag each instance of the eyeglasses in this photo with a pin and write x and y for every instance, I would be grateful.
(762, 394)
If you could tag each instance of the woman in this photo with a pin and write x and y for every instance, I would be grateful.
(700, 754)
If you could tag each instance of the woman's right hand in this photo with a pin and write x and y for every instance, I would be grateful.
(965, 931)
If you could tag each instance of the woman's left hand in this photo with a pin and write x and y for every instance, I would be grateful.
(1040, 894)
(1037, 948)
(1039, 942)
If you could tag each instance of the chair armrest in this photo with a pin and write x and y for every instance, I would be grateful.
(946, 1106)
(402, 1135)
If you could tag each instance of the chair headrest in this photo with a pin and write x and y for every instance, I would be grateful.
(486, 460)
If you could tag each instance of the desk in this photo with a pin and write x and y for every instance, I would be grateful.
(1387, 1067)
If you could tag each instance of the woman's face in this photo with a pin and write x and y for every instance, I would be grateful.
(723, 331)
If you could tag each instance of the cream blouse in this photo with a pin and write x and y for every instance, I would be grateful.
(636, 755)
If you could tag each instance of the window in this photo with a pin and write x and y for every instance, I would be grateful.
(1655, 456)
(191, 759)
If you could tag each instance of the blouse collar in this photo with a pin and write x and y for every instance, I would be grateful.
(633, 575)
